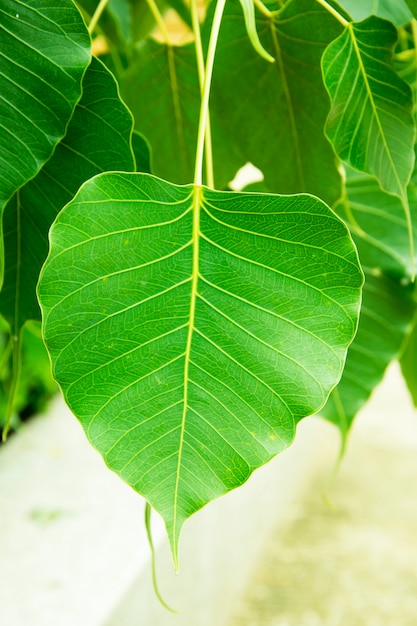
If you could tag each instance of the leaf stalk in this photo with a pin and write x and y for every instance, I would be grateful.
(204, 109)
(159, 20)
(96, 15)
(333, 11)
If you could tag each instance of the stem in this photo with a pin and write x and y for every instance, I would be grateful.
(333, 11)
(204, 109)
(97, 14)
(148, 511)
(16, 340)
(159, 20)
(262, 8)
(201, 76)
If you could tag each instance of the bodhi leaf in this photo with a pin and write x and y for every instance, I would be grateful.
(379, 228)
(274, 114)
(142, 152)
(98, 139)
(370, 123)
(396, 12)
(167, 112)
(191, 329)
(45, 50)
(386, 316)
(378, 223)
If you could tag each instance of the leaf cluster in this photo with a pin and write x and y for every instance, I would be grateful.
(191, 325)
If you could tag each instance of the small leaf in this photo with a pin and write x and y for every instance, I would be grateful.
(412, 5)
(142, 152)
(98, 139)
(191, 329)
(370, 123)
(378, 224)
(249, 14)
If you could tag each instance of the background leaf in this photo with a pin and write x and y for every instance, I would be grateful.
(161, 89)
(379, 228)
(45, 52)
(412, 5)
(189, 350)
(274, 114)
(370, 123)
(396, 12)
(98, 139)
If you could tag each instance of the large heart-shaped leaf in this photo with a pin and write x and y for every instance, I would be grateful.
(191, 329)
(370, 123)
(412, 5)
(98, 139)
(274, 114)
(45, 50)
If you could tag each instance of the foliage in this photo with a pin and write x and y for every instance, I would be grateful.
(191, 326)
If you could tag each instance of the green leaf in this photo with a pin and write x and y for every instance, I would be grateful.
(45, 50)
(396, 11)
(273, 114)
(386, 315)
(249, 15)
(370, 123)
(161, 89)
(408, 362)
(191, 329)
(412, 5)
(98, 139)
(378, 223)
(142, 152)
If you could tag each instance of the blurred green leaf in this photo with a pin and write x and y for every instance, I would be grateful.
(142, 152)
(370, 123)
(98, 139)
(273, 114)
(378, 223)
(45, 50)
(396, 11)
